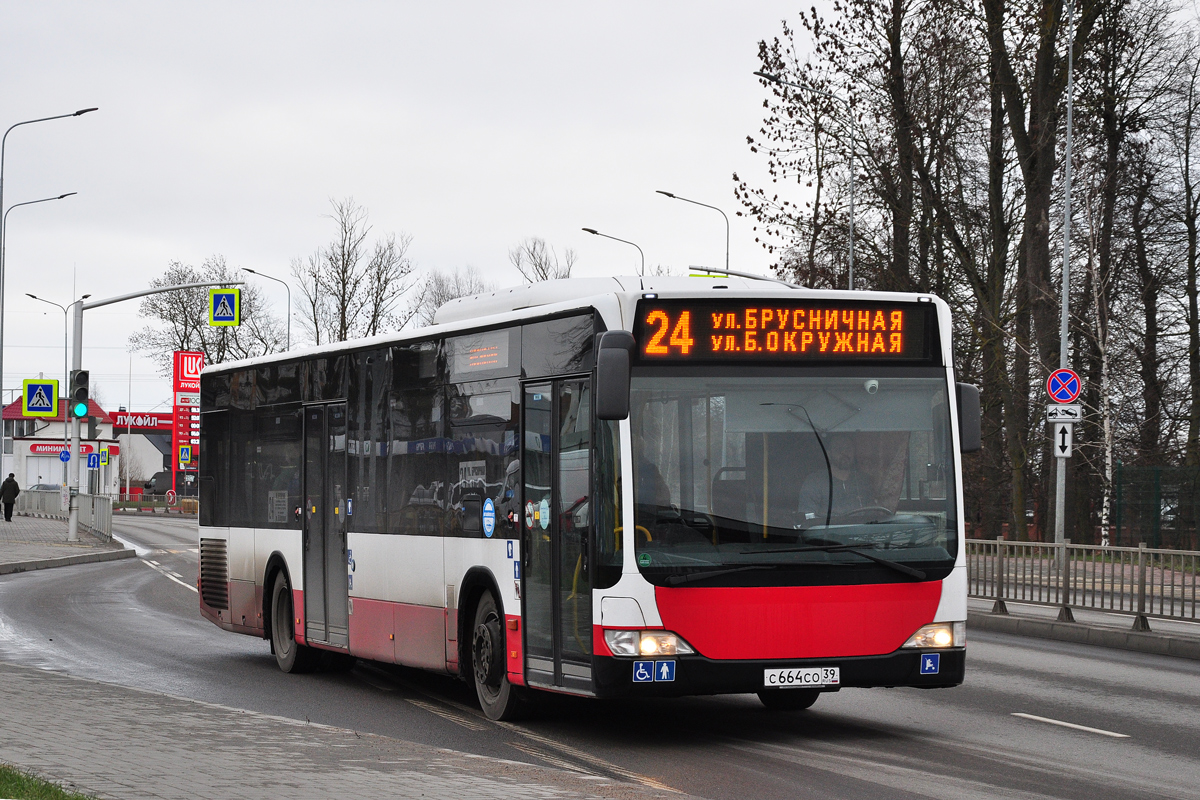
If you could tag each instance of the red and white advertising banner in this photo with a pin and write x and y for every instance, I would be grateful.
(57, 447)
(185, 431)
(142, 421)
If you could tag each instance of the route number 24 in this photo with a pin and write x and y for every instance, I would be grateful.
(681, 333)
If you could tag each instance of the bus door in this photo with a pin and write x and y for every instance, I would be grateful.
(326, 582)
(557, 521)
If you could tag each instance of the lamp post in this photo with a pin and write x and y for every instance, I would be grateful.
(595, 232)
(706, 205)
(3, 244)
(3, 239)
(849, 111)
(289, 302)
(66, 373)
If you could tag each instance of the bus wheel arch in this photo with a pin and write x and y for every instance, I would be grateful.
(482, 647)
(275, 564)
(477, 581)
(290, 655)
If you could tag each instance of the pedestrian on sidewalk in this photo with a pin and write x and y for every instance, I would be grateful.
(8, 495)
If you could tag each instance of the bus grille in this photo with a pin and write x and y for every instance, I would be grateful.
(214, 573)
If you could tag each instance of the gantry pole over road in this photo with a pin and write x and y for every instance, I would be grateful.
(77, 309)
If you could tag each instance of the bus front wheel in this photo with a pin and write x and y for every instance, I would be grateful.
(290, 655)
(499, 699)
(789, 699)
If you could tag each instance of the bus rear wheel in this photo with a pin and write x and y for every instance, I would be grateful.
(789, 699)
(289, 655)
(499, 699)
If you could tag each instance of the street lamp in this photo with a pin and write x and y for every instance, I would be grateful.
(66, 375)
(3, 146)
(595, 232)
(3, 243)
(849, 110)
(706, 205)
(289, 303)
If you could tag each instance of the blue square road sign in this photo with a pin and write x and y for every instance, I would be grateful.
(930, 662)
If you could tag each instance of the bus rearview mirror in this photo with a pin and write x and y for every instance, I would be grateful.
(613, 363)
(970, 437)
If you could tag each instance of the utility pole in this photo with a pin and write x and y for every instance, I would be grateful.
(1060, 491)
(77, 309)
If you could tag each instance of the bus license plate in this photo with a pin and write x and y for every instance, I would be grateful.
(801, 676)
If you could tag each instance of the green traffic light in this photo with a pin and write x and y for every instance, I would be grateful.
(80, 409)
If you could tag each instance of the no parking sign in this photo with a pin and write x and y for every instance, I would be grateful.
(1063, 386)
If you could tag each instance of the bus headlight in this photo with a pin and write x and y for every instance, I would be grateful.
(939, 634)
(646, 643)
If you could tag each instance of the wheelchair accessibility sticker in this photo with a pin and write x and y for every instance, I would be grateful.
(651, 671)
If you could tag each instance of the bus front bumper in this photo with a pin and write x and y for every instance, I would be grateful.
(692, 675)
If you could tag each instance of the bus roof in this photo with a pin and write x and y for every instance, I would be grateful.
(614, 297)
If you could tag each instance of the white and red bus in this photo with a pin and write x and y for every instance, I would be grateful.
(604, 487)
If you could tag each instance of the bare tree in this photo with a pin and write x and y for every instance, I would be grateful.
(440, 288)
(350, 289)
(537, 261)
(181, 319)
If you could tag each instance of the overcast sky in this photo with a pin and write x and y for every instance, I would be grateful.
(226, 127)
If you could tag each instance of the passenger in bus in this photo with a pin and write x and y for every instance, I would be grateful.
(851, 487)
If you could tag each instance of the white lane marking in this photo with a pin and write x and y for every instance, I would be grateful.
(168, 575)
(565, 749)
(142, 552)
(1071, 725)
(457, 719)
(530, 750)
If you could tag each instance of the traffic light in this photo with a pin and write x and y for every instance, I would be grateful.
(79, 393)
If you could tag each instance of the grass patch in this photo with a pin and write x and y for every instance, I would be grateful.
(20, 785)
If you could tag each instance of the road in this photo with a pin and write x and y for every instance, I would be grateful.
(136, 623)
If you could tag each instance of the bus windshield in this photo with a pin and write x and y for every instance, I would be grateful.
(806, 474)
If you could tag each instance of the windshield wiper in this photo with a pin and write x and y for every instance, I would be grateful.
(675, 580)
(845, 548)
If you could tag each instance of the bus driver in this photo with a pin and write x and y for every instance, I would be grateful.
(851, 488)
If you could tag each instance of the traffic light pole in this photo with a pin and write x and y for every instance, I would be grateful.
(76, 457)
(77, 309)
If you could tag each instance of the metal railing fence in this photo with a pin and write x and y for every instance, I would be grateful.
(95, 511)
(1138, 580)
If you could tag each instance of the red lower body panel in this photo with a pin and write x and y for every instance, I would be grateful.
(516, 660)
(798, 621)
(372, 626)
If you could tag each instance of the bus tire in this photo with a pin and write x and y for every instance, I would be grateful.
(789, 699)
(498, 698)
(289, 655)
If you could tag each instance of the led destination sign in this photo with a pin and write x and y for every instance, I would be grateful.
(795, 331)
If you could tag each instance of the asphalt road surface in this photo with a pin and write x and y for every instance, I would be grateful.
(1136, 717)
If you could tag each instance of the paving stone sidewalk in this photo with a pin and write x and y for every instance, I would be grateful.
(37, 539)
(114, 742)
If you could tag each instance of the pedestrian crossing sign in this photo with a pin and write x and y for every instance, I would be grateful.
(104, 457)
(185, 456)
(40, 398)
(224, 307)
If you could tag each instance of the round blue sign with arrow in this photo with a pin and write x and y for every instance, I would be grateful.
(1063, 386)
(64, 456)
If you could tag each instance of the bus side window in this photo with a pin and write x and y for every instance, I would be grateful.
(416, 455)
(608, 506)
(482, 459)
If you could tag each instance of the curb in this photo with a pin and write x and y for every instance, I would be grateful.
(65, 561)
(1156, 643)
